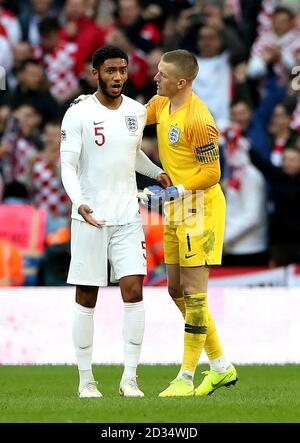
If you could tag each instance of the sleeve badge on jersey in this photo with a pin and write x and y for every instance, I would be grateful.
(131, 123)
(63, 135)
(174, 134)
(207, 153)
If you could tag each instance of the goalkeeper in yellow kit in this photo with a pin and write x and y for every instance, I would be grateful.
(195, 215)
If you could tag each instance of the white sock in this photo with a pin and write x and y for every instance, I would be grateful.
(133, 332)
(83, 332)
(220, 364)
(186, 375)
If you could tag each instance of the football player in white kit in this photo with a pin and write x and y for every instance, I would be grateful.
(100, 152)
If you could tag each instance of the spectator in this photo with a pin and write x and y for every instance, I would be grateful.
(81, 30)
(285, 226)
(140, 24)
(214, 73)
(281, 133)
(19, 143)
(10, 26)
(21, 51)
(277, 47)
(33, 88)
(104, 14)
(59, 60)
(45, 184)
(137, 68)
(46, 191)
(31, 17)
(245, 15)
(245, 241)
(6, 56)
(254, 122)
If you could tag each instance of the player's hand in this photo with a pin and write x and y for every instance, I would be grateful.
(86, 212)
(154, 196)
(79, 99)
(164, 180)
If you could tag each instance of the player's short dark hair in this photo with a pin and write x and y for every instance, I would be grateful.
(106, 52)
(47, 25)
(185, 62)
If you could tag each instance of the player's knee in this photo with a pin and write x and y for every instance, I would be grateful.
(86, 301)
(188, 289)
(86, 296)
(133, 295)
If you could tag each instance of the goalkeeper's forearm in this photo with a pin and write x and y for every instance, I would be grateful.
(69, 162)
(208, 176)
(145, 166)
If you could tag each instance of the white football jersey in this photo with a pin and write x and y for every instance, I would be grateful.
(107, 141)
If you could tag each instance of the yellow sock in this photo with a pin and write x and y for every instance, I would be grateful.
(196, 322)
(213, 347)
(180, 303)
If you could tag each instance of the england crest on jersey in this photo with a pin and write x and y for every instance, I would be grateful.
(131, 123)
(174, 134)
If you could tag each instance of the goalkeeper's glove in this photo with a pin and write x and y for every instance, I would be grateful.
(154, 196)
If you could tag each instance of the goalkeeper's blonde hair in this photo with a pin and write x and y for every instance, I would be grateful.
(185, 63)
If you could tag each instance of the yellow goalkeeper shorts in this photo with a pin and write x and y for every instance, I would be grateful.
(198, 240)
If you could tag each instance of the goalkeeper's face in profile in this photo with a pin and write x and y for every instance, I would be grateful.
(168, 83)
(112, 76)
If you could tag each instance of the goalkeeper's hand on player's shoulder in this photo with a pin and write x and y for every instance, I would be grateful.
(79, 99)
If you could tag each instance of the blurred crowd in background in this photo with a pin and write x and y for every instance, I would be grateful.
(249, 58)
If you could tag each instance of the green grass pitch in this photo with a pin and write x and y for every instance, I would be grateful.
(47, 394)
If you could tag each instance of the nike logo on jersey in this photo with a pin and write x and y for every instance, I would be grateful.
(189, 256)
(98, 123)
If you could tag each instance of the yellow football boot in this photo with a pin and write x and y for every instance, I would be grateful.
(215, 380)
(178, 388)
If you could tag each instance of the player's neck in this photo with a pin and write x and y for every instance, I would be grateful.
(179, 100)
(108, 102)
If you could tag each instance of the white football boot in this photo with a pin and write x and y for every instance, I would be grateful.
(129, 388)
(89, 390)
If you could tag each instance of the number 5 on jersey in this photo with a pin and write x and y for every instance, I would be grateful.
(101, 137)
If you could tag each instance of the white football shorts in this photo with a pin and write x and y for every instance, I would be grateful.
(123, 245)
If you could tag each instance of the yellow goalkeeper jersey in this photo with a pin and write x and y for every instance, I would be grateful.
(188, 145)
